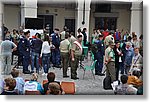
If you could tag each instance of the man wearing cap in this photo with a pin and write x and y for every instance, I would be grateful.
(72, 39)
(62, 34)
(99, 55)
(108, 39)
(65, 47)
(56, 52)
(76, 53)
(110, 61)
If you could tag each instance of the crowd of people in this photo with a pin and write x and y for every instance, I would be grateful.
(122, 56)
(16, 85)
(120, 52)
(41, 50)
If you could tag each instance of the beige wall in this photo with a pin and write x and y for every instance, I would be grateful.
(123, 21)
(11, 16)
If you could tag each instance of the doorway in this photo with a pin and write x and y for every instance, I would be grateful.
(47, 21)
(70, 23)
(109, 23)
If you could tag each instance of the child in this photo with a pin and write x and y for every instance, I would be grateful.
(9, 87)
(19, 81)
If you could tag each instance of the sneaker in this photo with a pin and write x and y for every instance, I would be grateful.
(27, 72)
(97, 73)
(37, 72)
(54, 65)
(58, 66)
(43, 74)
(102, 74)
(74, 78)
(32, 72)
(65, 76)
(77, 78)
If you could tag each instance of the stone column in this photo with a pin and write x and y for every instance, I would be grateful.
(1, 19)
(136, 18)
(80, 15)
(28, 10)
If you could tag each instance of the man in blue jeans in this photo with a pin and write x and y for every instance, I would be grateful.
(36, 45)
(128, 55)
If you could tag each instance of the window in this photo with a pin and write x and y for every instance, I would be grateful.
(33, 23)
(106, 23)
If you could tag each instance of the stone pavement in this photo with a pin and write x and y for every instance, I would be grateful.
(86, 86)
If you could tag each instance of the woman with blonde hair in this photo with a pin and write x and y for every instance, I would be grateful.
(33, 84)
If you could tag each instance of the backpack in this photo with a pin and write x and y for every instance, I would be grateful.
(94, 48)
(107, 83)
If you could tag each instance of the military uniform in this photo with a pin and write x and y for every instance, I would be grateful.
(24, 50)
(20, 55)
(99, 56)
(72, 40)
(65, 47)
(56, 52)
(63, 35)
(110, 71)
(77, 49)
(108, 39)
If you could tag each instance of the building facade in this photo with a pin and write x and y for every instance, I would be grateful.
(35, 14)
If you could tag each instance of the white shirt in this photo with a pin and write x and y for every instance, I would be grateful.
(45, 47)
(136, 44)
(119, 56)
(30, 86)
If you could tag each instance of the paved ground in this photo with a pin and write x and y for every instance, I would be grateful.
(86, 86)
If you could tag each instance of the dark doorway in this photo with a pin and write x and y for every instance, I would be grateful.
(47, 21)
(70, 23)
(109, 23)
(33, 23)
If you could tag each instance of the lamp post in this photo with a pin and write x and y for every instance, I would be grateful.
(83, 22)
